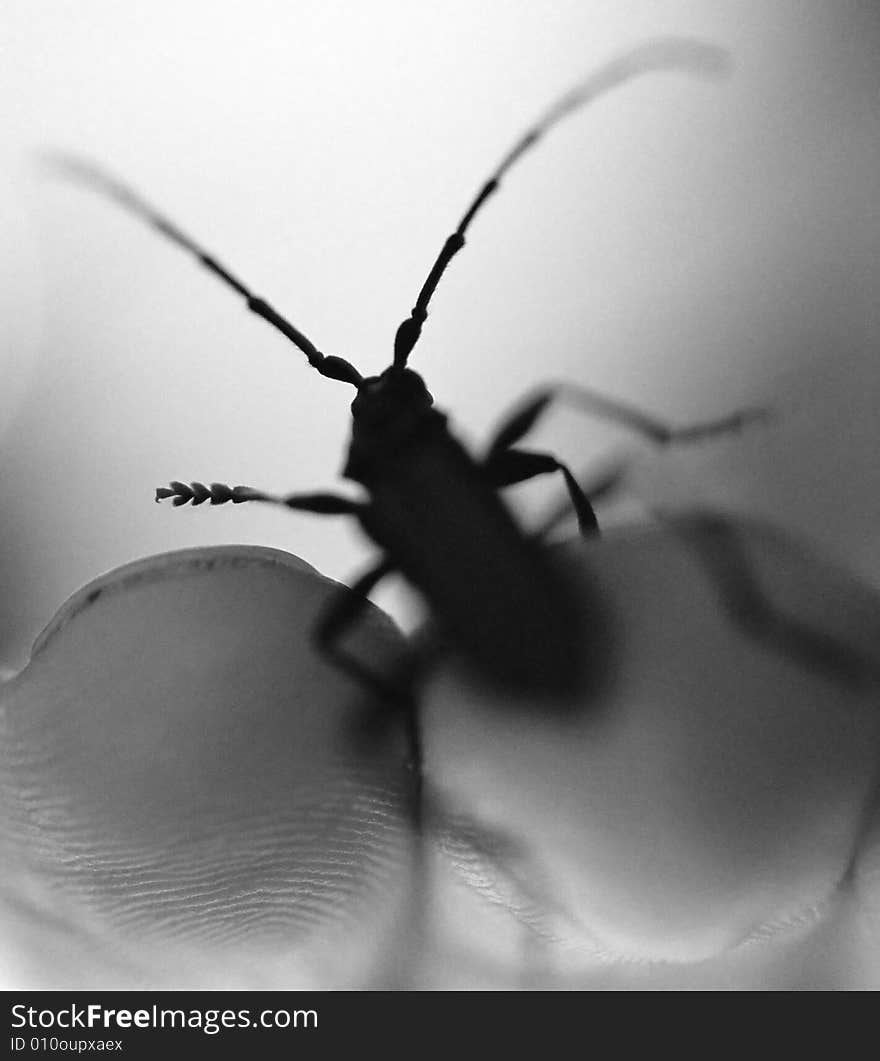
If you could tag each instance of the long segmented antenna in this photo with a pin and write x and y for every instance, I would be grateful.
(679, 54)
(103, 183)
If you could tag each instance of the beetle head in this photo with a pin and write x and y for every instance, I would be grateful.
(397, 396)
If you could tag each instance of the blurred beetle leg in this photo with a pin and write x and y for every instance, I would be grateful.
(603, 484)
(718, 545)
(508, 467)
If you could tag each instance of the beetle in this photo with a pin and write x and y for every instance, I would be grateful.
(495, 592)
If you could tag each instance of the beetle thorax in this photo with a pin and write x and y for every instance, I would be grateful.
(391, 413)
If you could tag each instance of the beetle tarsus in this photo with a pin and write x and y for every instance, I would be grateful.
(220, 494)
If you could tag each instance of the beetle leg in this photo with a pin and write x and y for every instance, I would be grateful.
(718, 545)
(221, 494)
(341, 615)
(526, 415)
(395, 699)
(343, 612)
(510, 466)
(604, 483)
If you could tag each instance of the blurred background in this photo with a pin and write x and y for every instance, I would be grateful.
(684, 245)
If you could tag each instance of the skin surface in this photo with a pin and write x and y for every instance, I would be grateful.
(189, 800)
(707, 822)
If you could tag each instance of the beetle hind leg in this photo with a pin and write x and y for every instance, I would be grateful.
(720, 547)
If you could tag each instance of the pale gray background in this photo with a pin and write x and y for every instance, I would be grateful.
(685, 245)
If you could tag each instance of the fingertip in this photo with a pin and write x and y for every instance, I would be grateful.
(717, 784)
(184, 766)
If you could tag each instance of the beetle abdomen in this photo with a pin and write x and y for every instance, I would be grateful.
(495, 593)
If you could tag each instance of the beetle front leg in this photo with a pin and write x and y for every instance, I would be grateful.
(526, 415)
(221, 494)
(510, 466)
(507, 465)
(346, 609)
